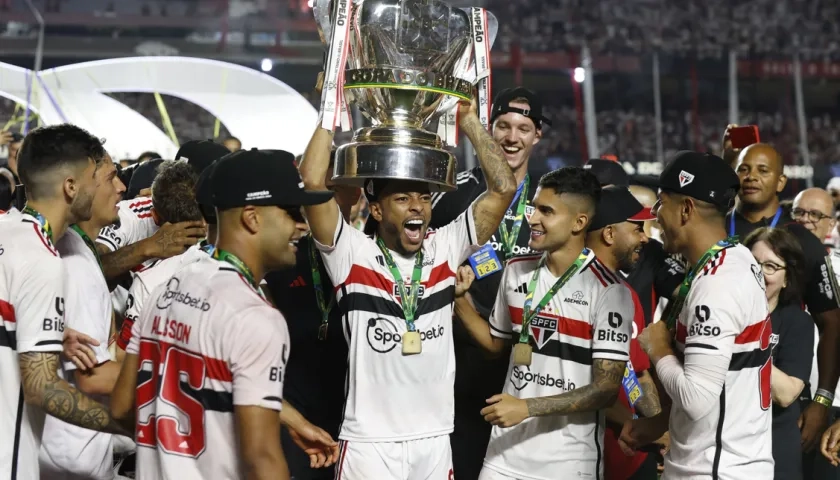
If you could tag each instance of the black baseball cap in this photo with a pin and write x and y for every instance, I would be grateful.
(618, 205)
(501, 105)
(702, 176)
(260, 178)
(608, 172)
(204, 195)
(143, 177)
(201, 153)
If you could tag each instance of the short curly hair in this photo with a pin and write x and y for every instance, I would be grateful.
(173, 193)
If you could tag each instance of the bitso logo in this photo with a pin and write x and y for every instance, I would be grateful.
(383, 336)
(173, 293)
(522, 376)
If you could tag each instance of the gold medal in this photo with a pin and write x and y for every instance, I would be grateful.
(522, 354)
(411, 344)
(322, 332)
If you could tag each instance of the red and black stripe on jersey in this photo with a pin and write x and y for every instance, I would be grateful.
(385, 304)
(141, 208)
(8, 338)
(555, 347)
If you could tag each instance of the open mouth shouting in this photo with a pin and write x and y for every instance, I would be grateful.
(413, 229)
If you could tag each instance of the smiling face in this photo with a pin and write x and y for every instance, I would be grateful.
(517, 135)
(760, 172)
(555, 219)
(629, 239)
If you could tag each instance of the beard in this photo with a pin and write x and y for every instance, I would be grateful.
(82, 207)
(625, 259)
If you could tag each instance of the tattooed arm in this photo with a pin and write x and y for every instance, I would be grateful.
(489, 209)
(172, 239)
(599, 394)
(648, 404)
(43, 387)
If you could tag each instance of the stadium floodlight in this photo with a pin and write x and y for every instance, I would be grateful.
(580, 74)
(266, 65)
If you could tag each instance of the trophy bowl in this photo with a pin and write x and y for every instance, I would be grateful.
(405, 68)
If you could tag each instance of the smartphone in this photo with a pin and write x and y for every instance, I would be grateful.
(743, 137)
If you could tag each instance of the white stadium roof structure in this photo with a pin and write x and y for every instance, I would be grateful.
(258, 109)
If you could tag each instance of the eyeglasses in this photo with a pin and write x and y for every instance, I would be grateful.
(811, 215)
(770, 268)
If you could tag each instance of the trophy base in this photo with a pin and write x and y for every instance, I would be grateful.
(396, 153)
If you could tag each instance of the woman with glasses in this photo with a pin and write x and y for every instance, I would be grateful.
(782, 261)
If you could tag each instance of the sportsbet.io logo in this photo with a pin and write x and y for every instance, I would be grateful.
(173, 293)
(522, 376)
(383, 336)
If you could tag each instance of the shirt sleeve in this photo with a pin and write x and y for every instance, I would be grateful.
(137, 295)
(258, 358)
(820, 290)
(796, 344)
(612, 320)
(501, 324)
(458, 238)
(83, 313)
(668, 276)
(338, 258)
(447, 206)
(39, 312)
(119, 234)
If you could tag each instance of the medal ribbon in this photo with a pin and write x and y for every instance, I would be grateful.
(240, 267)
(527, 313)
(409, 298)
(323, 306)
(481, 44)
(448, 122)
(46, 229)
(509, 238)
(772, 222)
(676, 305)
(88, 242)
(333, 104)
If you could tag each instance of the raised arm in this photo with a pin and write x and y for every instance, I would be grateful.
(322, 218)
(44, 388)
(489, 209)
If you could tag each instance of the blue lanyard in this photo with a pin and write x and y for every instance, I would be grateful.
(518, 193)
(772, 222)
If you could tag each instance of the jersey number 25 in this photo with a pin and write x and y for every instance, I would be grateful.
(163, 430)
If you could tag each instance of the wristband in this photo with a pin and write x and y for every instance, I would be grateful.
(825, 393)
(823, 400)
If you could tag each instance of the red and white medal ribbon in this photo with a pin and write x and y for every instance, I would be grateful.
(333, 104)
(481, 45)
(448, 126)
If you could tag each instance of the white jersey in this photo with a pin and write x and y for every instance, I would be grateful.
(726, 314)
(148, 279)
(67, 448)
(31, 320)
(136, 223)
(206, 342)
(590, 318)
(392, 397)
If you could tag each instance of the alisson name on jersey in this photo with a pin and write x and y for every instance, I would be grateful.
(172, 329)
